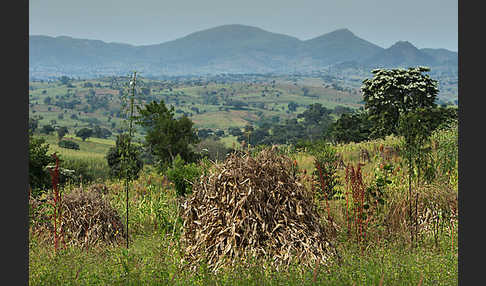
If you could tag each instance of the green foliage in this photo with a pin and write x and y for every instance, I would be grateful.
(326, 163)
(292, 106)
(446, 141)
(68, 144)
(183, 175)
(235, 131)
(213, 149)
(351, 128)
(100, 132)
(116, 156)
(84, 133)
(47, 100)
(65, 80)
(376, 193)
(156, 249)
(47, 129)
(61, 132)
(33, 124)
(39, 159)
(166, 136)
(391, 93)
(415, 127)
(313, 123)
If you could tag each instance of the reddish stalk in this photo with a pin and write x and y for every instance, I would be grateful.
(358, 199)
(57, 201)
(420, 281)
(347, 217)
(381, 280)
(347, 199)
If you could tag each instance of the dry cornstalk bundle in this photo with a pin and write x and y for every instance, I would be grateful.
(86, 218)
(253, 207)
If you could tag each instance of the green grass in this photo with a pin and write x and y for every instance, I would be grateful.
(154, 259)
(154, 256)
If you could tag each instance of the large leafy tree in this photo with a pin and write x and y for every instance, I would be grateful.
(391, 93)
(167, 136)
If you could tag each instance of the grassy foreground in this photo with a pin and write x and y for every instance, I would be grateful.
(153, 259)
(385, 257)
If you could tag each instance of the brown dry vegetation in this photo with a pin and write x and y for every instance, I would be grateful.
(254, 207)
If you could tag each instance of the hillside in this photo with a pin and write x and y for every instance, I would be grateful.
(223, 49)
(216, 103)
(338, 46)
(401, 54)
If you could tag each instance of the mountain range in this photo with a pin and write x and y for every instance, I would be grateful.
(226, 49)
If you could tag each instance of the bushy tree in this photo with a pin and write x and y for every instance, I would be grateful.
(47, 100)
(47, 129)
(391, 93)
(351, 128)
(68, 144)
(167, 136)
(183, 175)
(39, 159)
(292, 106)
(84, 133)
(317, 121)
(117, 154)
(235, 131)
(61, 132)
(33, 124)
(100, 132)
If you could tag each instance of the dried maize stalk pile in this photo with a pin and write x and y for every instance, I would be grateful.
(253, 207)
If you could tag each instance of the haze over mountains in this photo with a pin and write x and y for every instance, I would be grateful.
(226, 49)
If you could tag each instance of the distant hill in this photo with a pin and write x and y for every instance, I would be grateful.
(401, 54)
(60, 51)
(223, 49)
(338, 46)
(442, 56)
(234, 48)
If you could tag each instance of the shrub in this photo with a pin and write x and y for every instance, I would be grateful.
(445, 142)
(39, 178)
(214, 150)
(326, 162)
(68, 144)
(115, 158)
(183, 175)
(47, 129)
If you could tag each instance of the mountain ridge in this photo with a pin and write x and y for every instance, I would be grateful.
(230, 48)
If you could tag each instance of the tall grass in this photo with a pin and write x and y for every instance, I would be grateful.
(382, 257)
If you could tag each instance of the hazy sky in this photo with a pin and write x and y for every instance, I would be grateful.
(424, 23)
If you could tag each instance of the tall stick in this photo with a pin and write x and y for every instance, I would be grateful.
(127, 178)
(410, 197)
